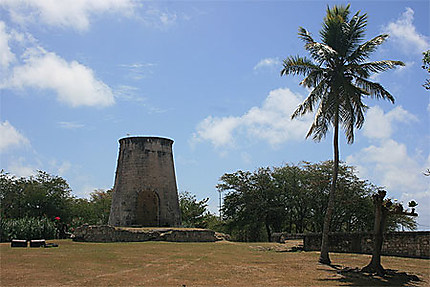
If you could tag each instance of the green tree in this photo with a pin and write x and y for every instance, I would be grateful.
(338, 76)
(101, 200)
(41, 195)
(294, 197)
(11, 196)
(95, 210)
(253, 206)
(291, 199)
(194, 212)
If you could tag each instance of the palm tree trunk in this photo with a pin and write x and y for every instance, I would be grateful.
(324, 257)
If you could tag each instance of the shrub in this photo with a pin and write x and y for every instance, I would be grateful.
(26, 228)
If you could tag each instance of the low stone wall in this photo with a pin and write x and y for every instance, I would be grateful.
(407, 244)
(280, 237)
(107, 233)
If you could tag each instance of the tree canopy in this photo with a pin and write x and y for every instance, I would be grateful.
(292, 198)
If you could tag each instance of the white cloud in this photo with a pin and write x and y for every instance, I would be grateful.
(404, 33)
(154, 17)
(64, 13)
(11, 137)
(388, 163)
(71, 125)
(379, 125)
(219, 131)
(74, 83)
(59, 168)
(271, 122)
(6, 55)
(138, 71)
(19, 169)
(267, 62)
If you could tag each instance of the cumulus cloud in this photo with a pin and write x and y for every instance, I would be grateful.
(379, 125)
(271, 122)
(73, 83)
(6, 55)
(387, 162)
(20, 168)
(64, 13)
(11, 137)
(390, 165)
(404, 33)
(267, 63)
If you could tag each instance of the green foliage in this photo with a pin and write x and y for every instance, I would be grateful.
(337, 73)
(194, 213)
(27, 228)
(42, 195)
(48, 196)
(92, 211)
(400, 222)
(293, 198)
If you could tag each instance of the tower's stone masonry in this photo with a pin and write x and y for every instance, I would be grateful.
(145, 192)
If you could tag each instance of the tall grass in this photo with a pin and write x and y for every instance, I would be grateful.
(26, 228)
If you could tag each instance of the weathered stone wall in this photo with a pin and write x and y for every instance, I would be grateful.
(282, 236)
(145, 192)
(106, 233)
(407, 244)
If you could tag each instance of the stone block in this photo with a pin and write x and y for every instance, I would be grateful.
(37, 243)
(18, 243)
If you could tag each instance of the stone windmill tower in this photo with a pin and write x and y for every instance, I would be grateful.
(145, 192)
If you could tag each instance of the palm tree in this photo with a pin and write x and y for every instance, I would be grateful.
(338, 76)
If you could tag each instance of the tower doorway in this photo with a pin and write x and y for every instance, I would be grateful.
(148, 208)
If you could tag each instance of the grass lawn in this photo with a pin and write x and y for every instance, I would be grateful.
(193, 264)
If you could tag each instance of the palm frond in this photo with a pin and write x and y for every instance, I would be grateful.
(364, 50)
(375, 90)
(374, 67)
(321, 53)
(311, 101)
(314, 78)
(305, 35)
(323, 117)
(354, 30)
(333, 30)
(351, 110)
(298, 66)
(337, 73)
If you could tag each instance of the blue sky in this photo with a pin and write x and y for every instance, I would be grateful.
(75, 76)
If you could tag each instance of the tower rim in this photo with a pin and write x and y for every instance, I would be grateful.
(143, 138)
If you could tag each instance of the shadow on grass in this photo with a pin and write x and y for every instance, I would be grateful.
(355, 277)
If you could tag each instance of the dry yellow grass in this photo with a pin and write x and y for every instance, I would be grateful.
(191, 264)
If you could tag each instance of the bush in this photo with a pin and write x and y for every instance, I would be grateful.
(26, 228)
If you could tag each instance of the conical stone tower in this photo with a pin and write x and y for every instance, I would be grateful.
(145, 192)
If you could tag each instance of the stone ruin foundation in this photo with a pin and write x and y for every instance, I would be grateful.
(145, 205)
(106, 233)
